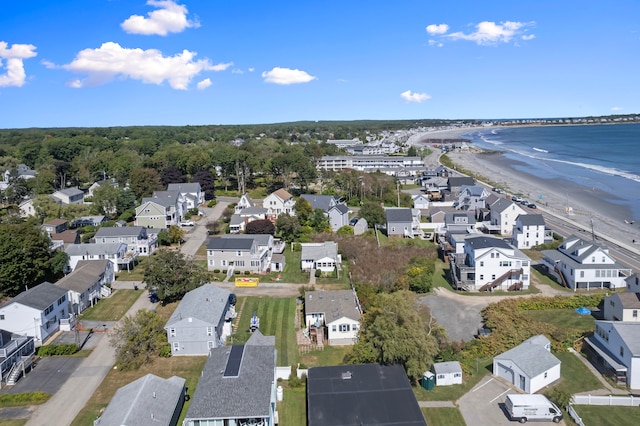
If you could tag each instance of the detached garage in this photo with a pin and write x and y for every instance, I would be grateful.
(529, 366)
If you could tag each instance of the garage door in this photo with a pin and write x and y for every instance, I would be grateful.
(505, 372)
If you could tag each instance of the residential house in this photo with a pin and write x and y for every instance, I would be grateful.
(21, 172)
(87, 283)
(35, 312)
(82, 221)
(529, 366)
(116, 253)
(54, 226)
(14, 348)
(460, 222)
(503, 216)
(279, 202)
(162, 210)
(27, 208)
(633, 283)
(420, 201)
(335, 313)
(585, 264)
(622, 307)
(363, 395)
(320, 256)
(197, 324)
(455, 184)
(529, 231)
(150, 400)
(447, 373)
(361, 226)
(614, 349)
(245, 202)
(333, 208)
(70, 236)
(472, 198)
(240, 252)
(137, 238)
(240, 220)
(490, 263)
(100, 183)
(192, 193)
(237, 385)
(403, 222)
(68, 196)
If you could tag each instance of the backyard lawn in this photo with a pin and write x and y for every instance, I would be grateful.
(605, 415)
(277, 318)
(292, 411)
(575, 376)
(471, 377)
(563, 319)
(330, 355)
(112, 308)
(443, 416)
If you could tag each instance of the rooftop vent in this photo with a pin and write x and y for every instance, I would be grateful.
(346, 375)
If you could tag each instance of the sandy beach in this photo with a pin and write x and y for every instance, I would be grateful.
(552, 196)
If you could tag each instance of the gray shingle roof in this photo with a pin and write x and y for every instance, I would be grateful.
(531, 219)
(207, 303)
(323, 202)
(628, 300)
(398, 215)
(246, 396)
(447, 367)
(184, 187)
(334, 304)
(460, 181)
(120, 231)
(316, 251)
(163, 198)
(531, 356)
(148, 400)
(40, 296)
(86, 274)
(92, 249)
(487, 242)
(230, 244)
(630, 334)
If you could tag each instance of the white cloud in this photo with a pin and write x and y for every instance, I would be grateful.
(286, 76)
(237, 71)
(435, 43)
(414, 97)
(15, 55)
(490, 33)
(170, 17)
(111, 60)
(252, 69)
(221, 67)
(204, 84)
(437, 29)
(528, 37)
(48, 64)
(617, 109)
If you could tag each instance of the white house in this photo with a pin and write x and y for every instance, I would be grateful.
(529, 366)
(585, 264)
(68, 196)
(503, 215)
(337, 312)
(87, 283)
(279, 202)
(528, 231)
(622, 307)
(472, 198)
(490, 263)
(240, 252)
(614, 349)
(420, 201)
(447, 373)
(192, 193)
(320, 256)
(36, 312)
(136, 238)
(245, 202)
(116, 253)
(27, 208)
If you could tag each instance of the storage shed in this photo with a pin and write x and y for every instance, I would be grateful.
(447, 373)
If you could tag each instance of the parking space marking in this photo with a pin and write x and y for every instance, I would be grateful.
(486, 383)
(500, 395)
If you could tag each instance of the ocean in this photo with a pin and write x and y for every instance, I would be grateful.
(592, 156)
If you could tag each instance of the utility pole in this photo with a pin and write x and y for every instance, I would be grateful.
(398, 190)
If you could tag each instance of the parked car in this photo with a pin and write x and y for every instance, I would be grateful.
(187, 223)
(353, 221)
(532, 206)
(516, 199)
(497, 190)
(232, 299)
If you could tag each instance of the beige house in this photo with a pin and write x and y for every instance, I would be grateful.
(279, 202)
(622, 307)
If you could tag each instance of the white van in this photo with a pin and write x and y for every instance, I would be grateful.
(532, 407)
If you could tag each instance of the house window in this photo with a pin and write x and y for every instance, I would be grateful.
(62, 300)
(440, 377)
(545, 374)
(224, 262)
(1, 317)
(635, 314)
(209, 331)
(459, 374)
(239, 262)
(344, 328)
(581, 274)
(176, 346)
(172, 332)
(354, 327)
(481, 264)
(210, 344)
(238, 253)
(333, 327)
(621, 351)
(493, 277)
(481, 277)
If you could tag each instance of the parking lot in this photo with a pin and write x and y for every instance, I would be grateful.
(484, 404)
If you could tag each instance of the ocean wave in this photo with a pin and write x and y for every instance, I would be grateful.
(540, 150)
(490, 141)
(606, 170)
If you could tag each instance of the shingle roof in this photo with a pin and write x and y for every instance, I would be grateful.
(447, 367)
(323, 202)
(86, 274)
(282, 194)
(398, 215)
(40, 296)
(361, 394)
(92, 249)
(316, 251)
(163, 198)
(334, 304)
(55, 222)
(120, 231)
(148, 400)
(629, 300)
(207, 303)
(230, 244)
(531, 356)
(184, 187)
(531, 219)
(630, 334)
(70, 191)
(461, 180)
(260, 239)
(487, 242)
(246, 396)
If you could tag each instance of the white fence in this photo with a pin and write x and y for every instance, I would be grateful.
(284, 372)
(576, 418)
(625, 401)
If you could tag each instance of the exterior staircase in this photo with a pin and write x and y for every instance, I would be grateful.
(18, 369)
(105, 291)
(561, 275)
(502, 278)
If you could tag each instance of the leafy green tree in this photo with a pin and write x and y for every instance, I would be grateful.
(373, 213)
(345, 231)
(26, 259)
(176, 234)
(320, 221)
(144, 181)
(105, 200)
(171, 275)
(303, 210)
(263, 226)
(393, 330)
(137, 339)
(412, 151)
(288, 228)
(207, 182)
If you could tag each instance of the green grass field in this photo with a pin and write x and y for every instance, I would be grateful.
(563, 318)
(277, 318)
(112, 308)
(575, 376)
(605, 415)
(292, 410)
(443, 416)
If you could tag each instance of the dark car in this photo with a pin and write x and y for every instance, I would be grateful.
(232, 299)
(153, 298)
(353, 221)
(531, 206)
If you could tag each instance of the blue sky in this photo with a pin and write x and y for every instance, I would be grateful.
(191, 62)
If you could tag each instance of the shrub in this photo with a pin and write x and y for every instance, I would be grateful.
(247, 272)
(57, 350)
(236, 272)
(25, 398)
(216, 271)
(318, 273)
(296, 247)
(212, 203)
(224, 271)
(165, 351)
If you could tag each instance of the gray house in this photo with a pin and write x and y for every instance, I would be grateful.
(87, 283)
(241, 252)
(333, 208)
(137, 239)
(197, 324)
(401, 222)
(237, 385)
(150, 400)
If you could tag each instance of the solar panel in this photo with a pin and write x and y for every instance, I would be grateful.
(233, 363)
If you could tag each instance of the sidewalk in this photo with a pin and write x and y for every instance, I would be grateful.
(65, 404)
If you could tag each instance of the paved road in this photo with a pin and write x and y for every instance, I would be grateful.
(196, 236)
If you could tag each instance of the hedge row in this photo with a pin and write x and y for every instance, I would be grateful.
(26, 398)
(57, 350)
